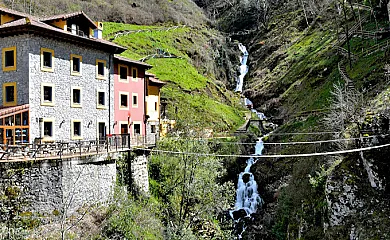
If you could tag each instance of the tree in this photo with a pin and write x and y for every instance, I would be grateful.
(346, 109)
(190, 188)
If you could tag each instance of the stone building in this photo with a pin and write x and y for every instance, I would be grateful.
(57, 78)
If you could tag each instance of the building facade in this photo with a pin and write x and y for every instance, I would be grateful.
(63, 77)
(153, 104)
(129, 97)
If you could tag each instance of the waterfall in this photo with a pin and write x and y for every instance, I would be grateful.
(247, 198)
(243, 68)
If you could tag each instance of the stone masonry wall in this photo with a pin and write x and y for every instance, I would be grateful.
(20, 75)
(46, 185)
(62, 113)
(139, 171)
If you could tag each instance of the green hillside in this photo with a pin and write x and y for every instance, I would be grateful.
(196, 92)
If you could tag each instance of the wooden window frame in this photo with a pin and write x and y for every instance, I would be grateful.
(120, 101)
(101, 77)
(48, 138)
(132, 100)
(140, 128)
(73, 104)
(99, 106)
(119, 73)
(43, 102)
(97, 127)
(136, 78)
(45, 68)
(9, 68)
(72, 136)
(72, 72)
(13, 103)
(14, 127)
(120, 126)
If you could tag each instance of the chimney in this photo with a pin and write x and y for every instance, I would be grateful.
(98, 32)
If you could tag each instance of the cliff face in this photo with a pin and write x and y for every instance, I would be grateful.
(295, 62)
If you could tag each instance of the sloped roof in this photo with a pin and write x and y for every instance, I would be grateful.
(6, 111)
(68, 15)
(132, 61)
(149, 74)
(24, 24)
(13, 12)
(156, 81)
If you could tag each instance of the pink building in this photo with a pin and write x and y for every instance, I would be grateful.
(129, 97)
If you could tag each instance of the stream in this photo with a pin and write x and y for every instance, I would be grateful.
(248, 199)
(243, 67)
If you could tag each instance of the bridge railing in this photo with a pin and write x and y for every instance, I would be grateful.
(59, 149)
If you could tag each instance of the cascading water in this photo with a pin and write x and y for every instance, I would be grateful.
(243, 68)
(247, 199)
(249, 104)
(240, 80)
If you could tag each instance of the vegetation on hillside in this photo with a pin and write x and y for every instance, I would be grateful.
(294, 71)
(197, 73)
(135, 11)
(191, 189)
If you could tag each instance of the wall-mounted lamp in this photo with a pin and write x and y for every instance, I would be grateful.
(115, 123)
(89, 124)
(62, 122)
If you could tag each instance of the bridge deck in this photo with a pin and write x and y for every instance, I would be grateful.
(64, 150)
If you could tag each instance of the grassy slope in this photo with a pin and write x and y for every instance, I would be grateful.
(194, 98)
(303, 71)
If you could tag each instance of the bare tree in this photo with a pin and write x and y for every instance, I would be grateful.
(347, 107)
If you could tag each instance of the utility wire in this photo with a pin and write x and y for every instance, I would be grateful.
(269, 156)
(311, 142)
(303, 133)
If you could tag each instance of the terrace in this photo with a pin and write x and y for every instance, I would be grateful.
(62, 150)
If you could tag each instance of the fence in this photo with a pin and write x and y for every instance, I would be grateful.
(61, 149)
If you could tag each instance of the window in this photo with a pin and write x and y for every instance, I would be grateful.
(153, 128)
(9, 59)
(101, 99)
(75, 64)
(47, 129)
(155, 106)
(124, 128)
(100, 69)
(135, 100)
(124, 100)
(9, 94)
(47, 59)
(47, 94)
(137, 128)
(123, 73)
(76, 97)
(76, 130)
(134, 74)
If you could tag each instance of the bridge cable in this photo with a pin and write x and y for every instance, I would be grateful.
(269, 156)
